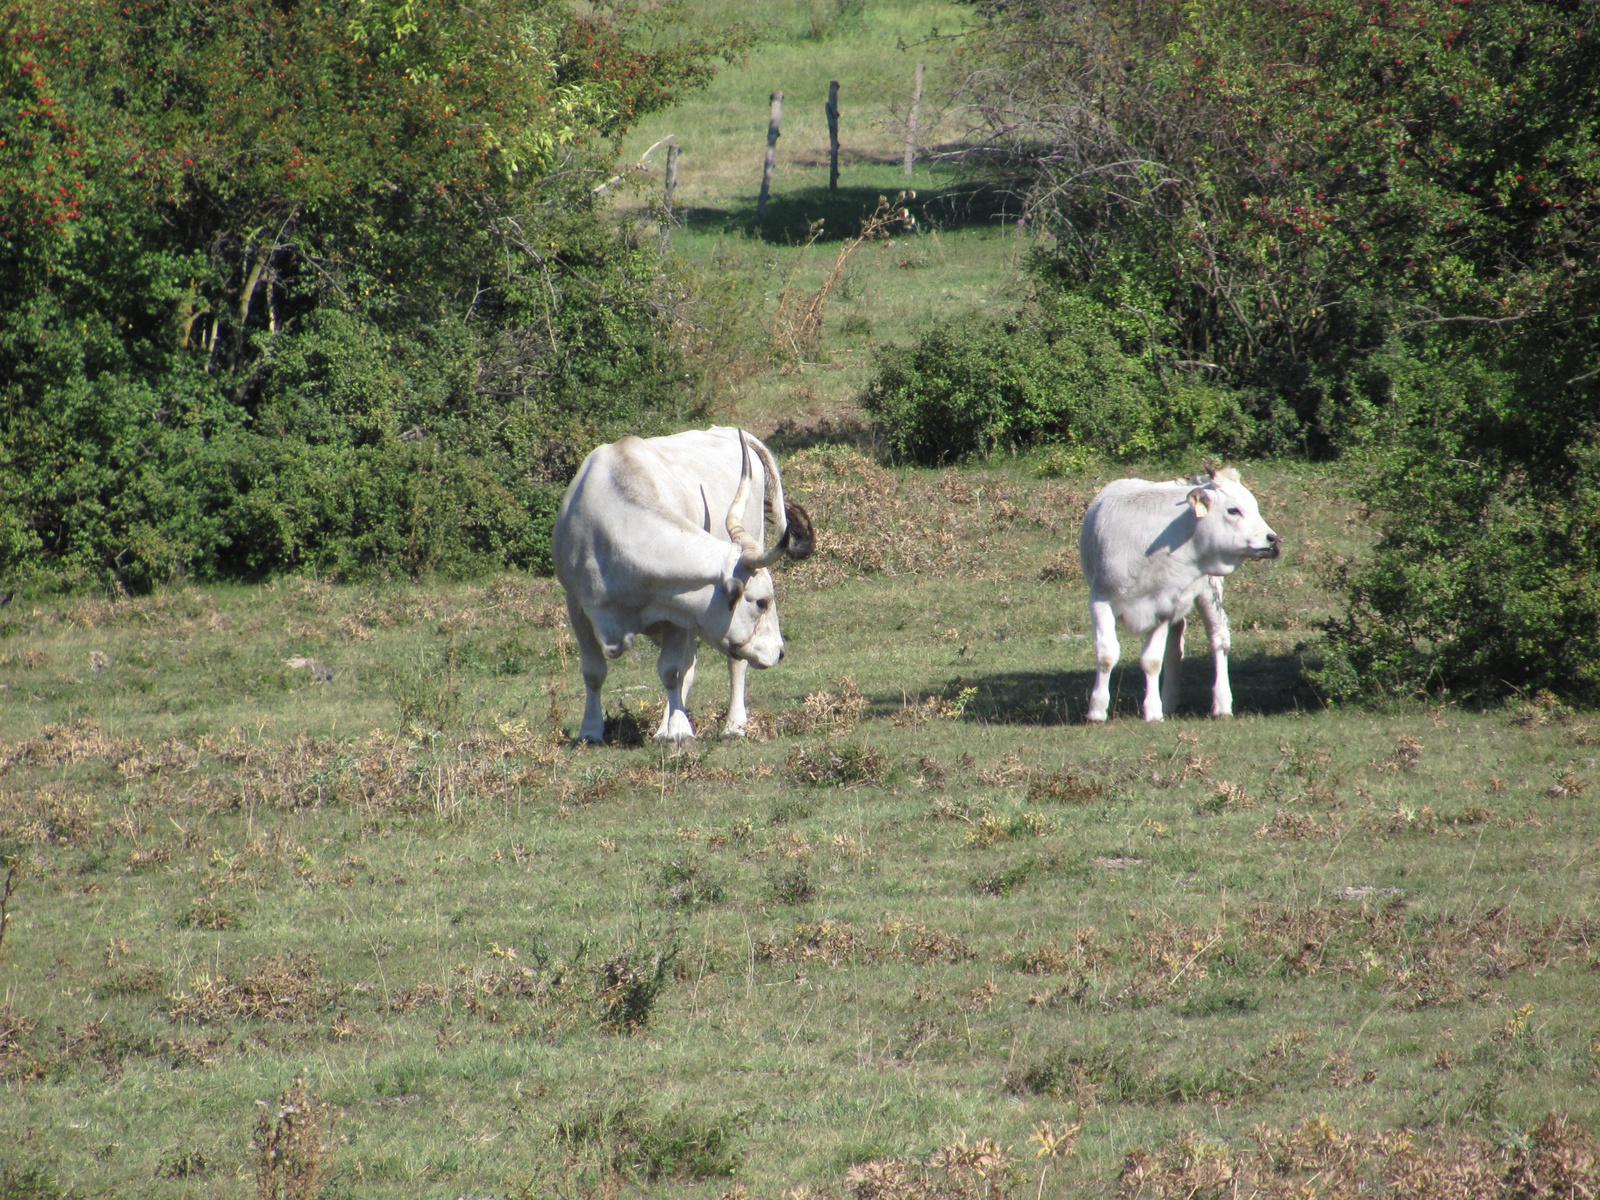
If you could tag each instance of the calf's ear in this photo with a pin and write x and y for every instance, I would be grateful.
(1200, 502)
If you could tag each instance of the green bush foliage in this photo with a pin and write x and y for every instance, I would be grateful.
(290, 286)
(1281, 188)
(1486, 577)
(1067, 370)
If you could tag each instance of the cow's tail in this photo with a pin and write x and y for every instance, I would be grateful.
(795, 533)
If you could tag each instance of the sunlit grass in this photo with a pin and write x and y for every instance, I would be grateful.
(923, 902)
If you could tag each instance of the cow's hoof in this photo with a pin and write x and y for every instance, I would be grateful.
(731, 733)
(675, 732)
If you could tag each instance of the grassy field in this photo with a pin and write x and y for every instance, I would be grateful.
(310, 894)
(921, 916)
(963, 258)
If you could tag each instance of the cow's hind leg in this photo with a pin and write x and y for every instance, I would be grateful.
(1155, 648)
(738, 668)
(1106, 652)
(1216, 619)
(1172, 666)
(676, 668)
(592, 660)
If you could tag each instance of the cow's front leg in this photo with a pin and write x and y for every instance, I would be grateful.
(733, 727)
(1155, 649)
(676, 668)
(592, 659)
(1172, 666)
(1106, 652)
(1216, 619)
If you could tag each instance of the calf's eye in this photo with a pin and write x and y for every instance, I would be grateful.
(1236, 512)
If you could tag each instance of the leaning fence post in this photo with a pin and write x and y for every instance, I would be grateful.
(911, 126)
(772, 155)
(833, 135)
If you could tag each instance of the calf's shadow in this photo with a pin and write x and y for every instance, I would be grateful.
(1263, 684)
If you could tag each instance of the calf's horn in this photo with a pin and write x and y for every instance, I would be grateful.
(753, 557)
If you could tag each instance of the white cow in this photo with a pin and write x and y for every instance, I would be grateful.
(637, 548)
(1151, 552)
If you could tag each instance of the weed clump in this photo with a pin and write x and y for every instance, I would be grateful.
(1066, 786)
(293, 1143)
(280, 989)
(977, 1170)
(793, 885)
(630, 982)
(851, 765)
(614, 1142)
(835, 714)
(829, 942)
(14, 1027)
(1004, 881)
(686, 885)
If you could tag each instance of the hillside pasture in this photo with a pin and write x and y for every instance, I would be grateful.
(336, 833)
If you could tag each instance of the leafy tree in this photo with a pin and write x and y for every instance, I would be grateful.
(293, 284)
(1282, 187)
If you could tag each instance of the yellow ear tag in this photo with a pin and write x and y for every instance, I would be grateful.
(1198, 502)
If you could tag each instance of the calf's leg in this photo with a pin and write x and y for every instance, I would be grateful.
(1216, 619)
(1172, 666)
(1106, 652)
(1154, 653)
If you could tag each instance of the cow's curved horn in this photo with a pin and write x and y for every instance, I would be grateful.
(753, 557)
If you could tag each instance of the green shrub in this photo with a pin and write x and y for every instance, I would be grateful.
(271, 351)
(1069, 370)
(1486, 575)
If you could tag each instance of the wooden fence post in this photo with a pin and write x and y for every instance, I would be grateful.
(911, 126)
(772, 155)
(666, 200)
(833, 135)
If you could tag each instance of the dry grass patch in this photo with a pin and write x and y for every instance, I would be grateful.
(1437, 959)
(872, 521)
(279, 989)
(183, 612)
(48, 818)
(839, 943)
(66, 744)
(1554, 1159)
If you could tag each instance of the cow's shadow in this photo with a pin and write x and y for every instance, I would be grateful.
(1263, 684)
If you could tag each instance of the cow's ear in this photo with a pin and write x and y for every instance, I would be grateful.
(735, 587)
(1200, 502)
